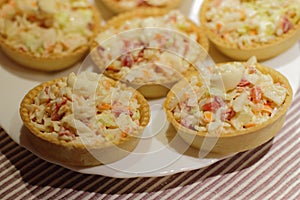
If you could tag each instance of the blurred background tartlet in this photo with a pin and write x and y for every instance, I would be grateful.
(241, 29)
(149, 49)
(47, 35)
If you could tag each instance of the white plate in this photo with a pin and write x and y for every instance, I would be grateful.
(160, 152)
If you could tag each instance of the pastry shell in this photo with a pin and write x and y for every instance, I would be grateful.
(51, 62)
(262, 51)
(117, 8)
(237, 141)
(76, 152)
(151, 89)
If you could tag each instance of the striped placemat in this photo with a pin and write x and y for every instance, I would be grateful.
(271, 171)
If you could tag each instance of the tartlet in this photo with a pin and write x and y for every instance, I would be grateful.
(241, 29)
(143, 38)
(47, 35)
(119, 6)
(84, 120)
(246, 112)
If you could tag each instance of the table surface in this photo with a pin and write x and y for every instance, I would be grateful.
(271, 171)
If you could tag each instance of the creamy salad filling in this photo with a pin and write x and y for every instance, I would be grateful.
(44, 27)
(250, 98)
(138, 3)
(151, 49)
(88, 107)
(246, 22)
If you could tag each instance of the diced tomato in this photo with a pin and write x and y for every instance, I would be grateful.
(256, 94)
(243, 83)
(211, 106)
(252, 70)
(130, 113)
(55, 117)
(219, 100)
(140, 56)
(228, 114)
(66, 132)
(286, 24)
(54, 114)
(214, 105)
(47, 89)
(158, 69)
(34, 119)
(141, 53)
(127, 60)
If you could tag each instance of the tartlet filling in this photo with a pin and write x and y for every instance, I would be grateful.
(248, 98)
(149, 55)
(88, 107)
(43, 27)
(245, 23)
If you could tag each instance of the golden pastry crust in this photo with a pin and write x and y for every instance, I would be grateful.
(236, 140)
(78, 152)
(261, 51)
(118, 8)
(156, 88)
(52, 62)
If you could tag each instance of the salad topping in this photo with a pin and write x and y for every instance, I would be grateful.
(88, 107)
(246, 22)
(249, 98)
(151, 49)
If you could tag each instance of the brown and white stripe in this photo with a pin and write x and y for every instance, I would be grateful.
(271, 171)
